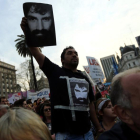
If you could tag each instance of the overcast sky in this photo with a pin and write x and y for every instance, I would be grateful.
(95, 28)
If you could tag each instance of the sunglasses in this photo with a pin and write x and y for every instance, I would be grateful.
(47, 109)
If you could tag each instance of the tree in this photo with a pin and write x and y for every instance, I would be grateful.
(24, 75)
(23, 50)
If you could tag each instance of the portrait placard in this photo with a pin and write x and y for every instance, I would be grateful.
(40, 30)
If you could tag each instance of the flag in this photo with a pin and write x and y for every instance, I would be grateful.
(115, 67)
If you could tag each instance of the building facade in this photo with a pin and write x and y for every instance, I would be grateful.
(130, 58)
(107, 64)
(7, 79)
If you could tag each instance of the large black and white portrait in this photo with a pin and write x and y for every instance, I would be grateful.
(138, 40)
(79, 91)
(41, 29)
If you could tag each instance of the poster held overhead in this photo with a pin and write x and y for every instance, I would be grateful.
(40, 30)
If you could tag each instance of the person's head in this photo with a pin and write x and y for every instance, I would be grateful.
(125, 97)
(3, 109)
(40, 21)
(38, 101)
(69, 58)
(3, 100)
(29, 102)
(23, 124)
(104, 109)
(39, 16)
(44, 99)
(45, 111)
(81, 92)
(20, 103)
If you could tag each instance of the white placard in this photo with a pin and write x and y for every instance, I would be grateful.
(95, 68)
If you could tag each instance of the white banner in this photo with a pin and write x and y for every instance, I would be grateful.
(38, 94)
(14, 97)
(95, 68)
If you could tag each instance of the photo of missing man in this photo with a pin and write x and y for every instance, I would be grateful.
(41, 29)
(79, 93)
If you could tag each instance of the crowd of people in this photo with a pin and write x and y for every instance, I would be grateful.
(73, 112)
(118, 116)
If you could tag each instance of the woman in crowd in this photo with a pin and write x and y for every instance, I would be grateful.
(45, 112)
(106, 114)
(22, 124)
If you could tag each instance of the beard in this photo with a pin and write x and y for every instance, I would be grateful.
(39, 38)
(74, 64)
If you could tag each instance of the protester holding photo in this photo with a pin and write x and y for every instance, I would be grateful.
(71, 95)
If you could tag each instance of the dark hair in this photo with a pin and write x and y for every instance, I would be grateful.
(2, 98)
(42, 110)
(19, 103)
(103, 107)
(64, 51)
(98, 95)
(29, 101)
(38, 8)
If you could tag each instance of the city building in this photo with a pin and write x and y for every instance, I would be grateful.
(107, 64)
(130, 58)
(7, 79)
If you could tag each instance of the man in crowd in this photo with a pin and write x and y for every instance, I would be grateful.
(70, 119)
(40, 30)
(20, 103)
(125, 97)
(3, 100)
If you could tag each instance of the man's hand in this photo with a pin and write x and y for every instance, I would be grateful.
(23, 24)
(100, 130)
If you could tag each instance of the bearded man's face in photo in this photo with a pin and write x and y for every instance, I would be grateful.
(39, 25)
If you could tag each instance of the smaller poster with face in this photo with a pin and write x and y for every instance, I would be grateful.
(40, 30)
(79, 90)
(138, 40)
(101, 86)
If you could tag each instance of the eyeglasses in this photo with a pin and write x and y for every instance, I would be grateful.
(47, 109)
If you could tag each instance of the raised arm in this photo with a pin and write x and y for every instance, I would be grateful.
(34, 50)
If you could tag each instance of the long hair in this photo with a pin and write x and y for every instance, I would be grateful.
(22, 124)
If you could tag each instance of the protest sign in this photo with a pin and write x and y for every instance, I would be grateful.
(95, 68)
(40, 30)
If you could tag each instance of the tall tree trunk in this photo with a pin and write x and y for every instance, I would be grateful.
(32, 64)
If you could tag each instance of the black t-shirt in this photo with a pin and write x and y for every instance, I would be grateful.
(62, 118)
(120, 131)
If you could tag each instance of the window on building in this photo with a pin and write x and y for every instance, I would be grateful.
(129, 65)
(134, 63)
(126, 57)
